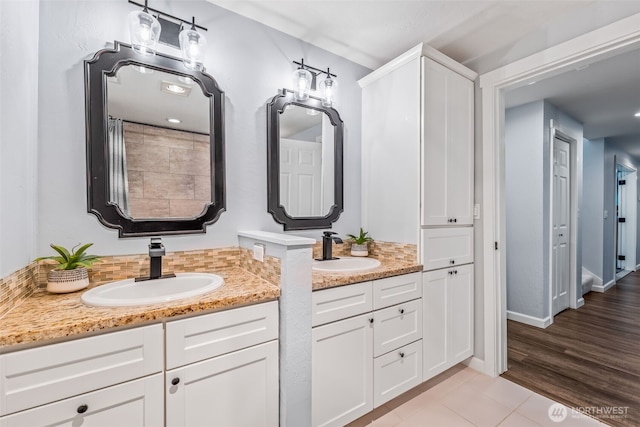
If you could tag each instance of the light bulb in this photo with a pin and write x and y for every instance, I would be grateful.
(144, 30)
(193, 46)
(328, 91)
(302, 83)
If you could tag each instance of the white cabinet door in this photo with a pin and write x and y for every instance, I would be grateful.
(446, 247)
(460, 295)
(435, 329)
(397, 326)
(448, 318)
(137, 403)
(447, 151)
(238, 389)
(329, 305)
(342, 360)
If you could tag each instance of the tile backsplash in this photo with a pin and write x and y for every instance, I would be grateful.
(17, 286)
(377, 249)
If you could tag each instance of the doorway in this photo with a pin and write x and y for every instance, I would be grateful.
(626, 220)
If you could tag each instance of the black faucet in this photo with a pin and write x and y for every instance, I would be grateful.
(327, 243)
(156, 252)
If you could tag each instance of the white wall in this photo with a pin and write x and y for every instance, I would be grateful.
(18, 132)
(251, 63)
(528, 163)
(593, 206)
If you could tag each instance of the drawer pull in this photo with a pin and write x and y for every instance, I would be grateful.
(401, 355)
(402, 311)
(371, 320)
(175, 381)
(82, 409)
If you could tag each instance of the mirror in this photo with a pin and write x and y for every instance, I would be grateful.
(304, 162)
(155, 144)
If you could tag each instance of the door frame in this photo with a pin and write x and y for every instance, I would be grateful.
(574, 300)
(604, 42)
(630, 169)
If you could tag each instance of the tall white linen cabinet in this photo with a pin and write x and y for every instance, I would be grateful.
(417, 186)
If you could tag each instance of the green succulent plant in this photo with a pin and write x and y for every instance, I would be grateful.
(362, 238)
(70, 260)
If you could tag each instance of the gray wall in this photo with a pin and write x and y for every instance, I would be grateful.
(527, 189)
(18, 133)
(524, 167)
(593, 206)
(251, 63)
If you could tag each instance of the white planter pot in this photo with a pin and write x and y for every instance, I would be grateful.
(359, 250)
(63, 281)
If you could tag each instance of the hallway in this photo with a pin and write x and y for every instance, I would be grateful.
(588, 358)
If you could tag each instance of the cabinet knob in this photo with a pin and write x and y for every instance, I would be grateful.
(402, 311)
(371, 320)
(455, 271)
(450, 220)
(453, 261)
(450, 272)
(455, 219)
(401, 355)
(175, 381)
(82, 409)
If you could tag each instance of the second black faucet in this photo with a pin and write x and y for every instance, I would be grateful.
(327, 242)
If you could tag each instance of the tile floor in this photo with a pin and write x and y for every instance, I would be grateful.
(464, 397)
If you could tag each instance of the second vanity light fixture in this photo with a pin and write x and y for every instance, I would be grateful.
(304, 81)
(145, 30)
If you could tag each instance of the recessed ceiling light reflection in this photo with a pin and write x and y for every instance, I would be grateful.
(172, 120)
(637, 114)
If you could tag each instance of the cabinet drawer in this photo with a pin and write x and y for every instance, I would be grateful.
(198, 338)
(397, 326)
(446, 247)
(36, 376)
(397, 289)
(396, 372)
(334, 304)
(135, 403)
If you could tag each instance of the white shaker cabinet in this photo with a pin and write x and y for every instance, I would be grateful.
(447, 149)
(447, 317)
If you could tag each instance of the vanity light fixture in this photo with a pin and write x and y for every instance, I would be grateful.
(304, 81)
(193, 45)
(144, 30)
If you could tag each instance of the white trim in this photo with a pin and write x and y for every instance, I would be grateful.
(580, 302)
(421, 49)
(277, 238)
(608, 41)
(637, 267)
(601, 288)
(529, 320)
(474, 363)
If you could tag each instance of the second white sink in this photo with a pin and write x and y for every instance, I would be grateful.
(345, 265)
(128, 292)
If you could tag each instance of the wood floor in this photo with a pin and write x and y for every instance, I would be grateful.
(588, 358)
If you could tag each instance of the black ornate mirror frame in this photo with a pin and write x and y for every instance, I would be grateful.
(275, 208)
(104, 63)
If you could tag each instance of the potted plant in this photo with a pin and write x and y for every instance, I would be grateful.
(71, 272)
(360, 243)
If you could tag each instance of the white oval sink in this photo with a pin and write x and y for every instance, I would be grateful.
(129, 292)
(345, 264)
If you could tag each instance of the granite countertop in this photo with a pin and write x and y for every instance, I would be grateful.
(45, 316)
(387, 268)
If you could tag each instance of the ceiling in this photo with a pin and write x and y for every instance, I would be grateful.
(483, 35)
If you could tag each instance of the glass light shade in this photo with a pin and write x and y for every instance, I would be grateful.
(329, 91)
(144, 30)
(302, 84)
(193, 45)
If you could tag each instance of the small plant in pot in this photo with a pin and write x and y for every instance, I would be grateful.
(360, 247)
(71, 272)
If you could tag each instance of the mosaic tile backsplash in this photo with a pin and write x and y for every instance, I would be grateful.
(17, 286)
(399, 251)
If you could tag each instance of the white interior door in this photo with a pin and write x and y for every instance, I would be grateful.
(561, 253)
(301, 177)
(627, 221)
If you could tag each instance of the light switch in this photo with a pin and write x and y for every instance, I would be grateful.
(476, 211)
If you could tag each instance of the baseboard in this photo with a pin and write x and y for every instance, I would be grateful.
(529, 320)
(601, 288)
(475, 363)
(637, 267)
(580, 302)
